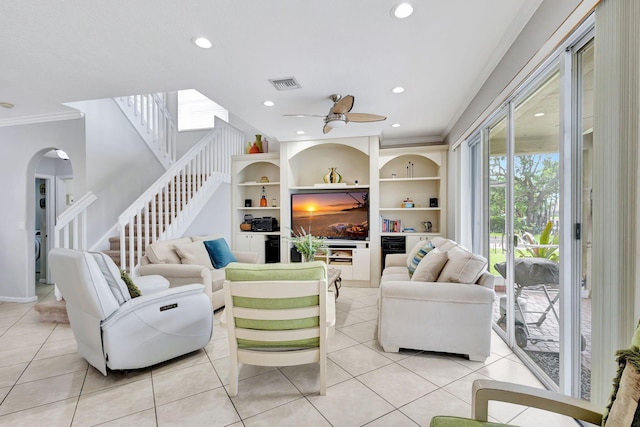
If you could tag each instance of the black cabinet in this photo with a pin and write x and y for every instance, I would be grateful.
(272, 249)
(392, 245)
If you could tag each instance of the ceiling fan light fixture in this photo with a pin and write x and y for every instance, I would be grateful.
(336, 121)
(402, 10)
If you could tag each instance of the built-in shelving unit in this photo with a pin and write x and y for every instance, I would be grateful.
(417, 174)
(305, 163)
(390, 175)
(248, 173)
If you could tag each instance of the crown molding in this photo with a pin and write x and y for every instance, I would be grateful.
(417, 140)
(41, 118)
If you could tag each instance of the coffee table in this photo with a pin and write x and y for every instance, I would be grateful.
(334, 279)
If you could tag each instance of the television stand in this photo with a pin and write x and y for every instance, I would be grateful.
(351, 257)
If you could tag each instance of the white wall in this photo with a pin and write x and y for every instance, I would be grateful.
(120, 166)
(17, 217)
(215, 217)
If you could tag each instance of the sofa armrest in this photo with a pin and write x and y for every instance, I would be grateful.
(462, 293)
(488, 390)
(487, 280)
(395, 260)
(247, 257)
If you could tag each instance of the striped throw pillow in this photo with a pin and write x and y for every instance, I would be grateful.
(418, 257)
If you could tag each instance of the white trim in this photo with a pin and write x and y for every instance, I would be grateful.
(17, 299)
(417, 140)
(42, 118)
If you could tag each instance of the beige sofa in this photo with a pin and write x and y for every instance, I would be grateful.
(445, 305)
(185, 261)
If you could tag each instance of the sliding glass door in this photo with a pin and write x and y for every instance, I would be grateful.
(534, 158)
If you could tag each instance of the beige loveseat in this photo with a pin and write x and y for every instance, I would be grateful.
(445, 305)
(186, 260)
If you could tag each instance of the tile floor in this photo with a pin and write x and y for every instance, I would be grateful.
(43, 381)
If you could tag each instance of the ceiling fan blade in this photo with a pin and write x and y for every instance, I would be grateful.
(302, 115)
(364, 117)
(344, 105)
(326, 129)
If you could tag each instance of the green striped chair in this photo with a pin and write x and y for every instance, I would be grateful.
(277, 315)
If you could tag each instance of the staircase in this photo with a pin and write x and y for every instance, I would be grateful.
(169, 206)
(149, 116)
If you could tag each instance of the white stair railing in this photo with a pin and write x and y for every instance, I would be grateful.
(70, 231)
(169, 206)
(149, 115)
(71, 225)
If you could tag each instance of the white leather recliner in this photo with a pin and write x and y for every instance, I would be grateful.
(115, 331)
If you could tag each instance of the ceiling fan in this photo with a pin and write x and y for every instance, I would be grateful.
(339, 115)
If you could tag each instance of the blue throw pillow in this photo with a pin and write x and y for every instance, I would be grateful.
(219, 252)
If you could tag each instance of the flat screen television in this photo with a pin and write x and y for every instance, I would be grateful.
(333, 214)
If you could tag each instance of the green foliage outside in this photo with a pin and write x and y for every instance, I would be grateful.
(536, 192)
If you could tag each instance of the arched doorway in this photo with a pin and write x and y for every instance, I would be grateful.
(53, 193)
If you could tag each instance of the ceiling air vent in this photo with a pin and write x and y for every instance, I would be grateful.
(286, 83)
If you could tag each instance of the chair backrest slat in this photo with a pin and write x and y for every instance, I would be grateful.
(275, 289)
(286, 314)
(277, 336)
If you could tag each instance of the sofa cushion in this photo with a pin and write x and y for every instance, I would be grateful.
(462, 267)
(412, 253)
(219, 252)
(163, 251)
(422, 252)
(430, 267)
(395, 270)
(194, 253)
(206, 237)
(395, 277)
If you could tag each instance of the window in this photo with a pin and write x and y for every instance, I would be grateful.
(196, 111)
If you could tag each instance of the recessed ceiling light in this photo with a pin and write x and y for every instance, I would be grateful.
(268, 103)
(538, 115)
(63, 155)
(300, 132)
(6, 105)
(402, 10)
(397, 89)
(395, 125)
(202, 42)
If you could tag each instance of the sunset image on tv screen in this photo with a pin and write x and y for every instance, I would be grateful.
(337, 215)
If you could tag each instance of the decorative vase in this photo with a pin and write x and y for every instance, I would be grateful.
(333, 177)
(259, 143)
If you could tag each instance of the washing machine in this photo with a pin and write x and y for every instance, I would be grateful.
(38, 245)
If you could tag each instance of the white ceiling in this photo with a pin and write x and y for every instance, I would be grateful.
(72, 50)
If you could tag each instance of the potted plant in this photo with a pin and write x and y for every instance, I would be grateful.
(307, 244)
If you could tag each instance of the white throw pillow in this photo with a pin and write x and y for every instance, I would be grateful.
(430, 266)
(163, 251)
(412, 253)
(463, 266)
(194, 253)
